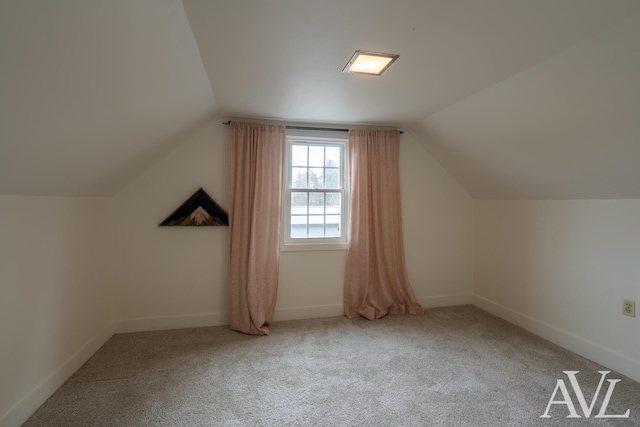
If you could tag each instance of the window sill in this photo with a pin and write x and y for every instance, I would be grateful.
(310, 247)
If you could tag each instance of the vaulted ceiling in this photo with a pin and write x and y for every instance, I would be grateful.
(91, 91)
(516, 98)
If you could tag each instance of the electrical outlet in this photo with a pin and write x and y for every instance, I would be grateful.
(629, 307)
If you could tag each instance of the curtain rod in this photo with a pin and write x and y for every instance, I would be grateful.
(310, 128)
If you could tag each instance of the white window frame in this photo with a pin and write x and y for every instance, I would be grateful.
(323, 243)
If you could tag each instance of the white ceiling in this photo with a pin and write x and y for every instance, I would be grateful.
(516, 98)
(93, 90)
(566, 128)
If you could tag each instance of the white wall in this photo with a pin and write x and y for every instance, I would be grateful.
(561, 270)
(69, 267)
(55, 305)
(437, 219)
(169, 277)
(173, 277)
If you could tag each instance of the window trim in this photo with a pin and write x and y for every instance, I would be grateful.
(323, 243)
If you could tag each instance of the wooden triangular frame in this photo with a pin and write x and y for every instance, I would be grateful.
(200, 210)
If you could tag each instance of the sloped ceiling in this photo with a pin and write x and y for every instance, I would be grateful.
(516, 98)
(93, 90)
(566, 128)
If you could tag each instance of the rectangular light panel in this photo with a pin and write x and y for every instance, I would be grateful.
(372, 63)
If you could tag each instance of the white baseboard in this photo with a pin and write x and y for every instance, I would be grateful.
(446, 300)
(318, 311)
(281, 314)
(36, 397)
(171, 322)
(593, 351)
(219, 319)
(308, 312)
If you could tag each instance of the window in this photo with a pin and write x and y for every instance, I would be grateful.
(315, 191)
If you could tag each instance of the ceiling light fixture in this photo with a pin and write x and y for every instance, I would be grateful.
(372, 63)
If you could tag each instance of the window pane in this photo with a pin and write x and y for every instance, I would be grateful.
(316, 155)
(332, 226)
(298, 155)
(299, 227)
(316, 225)
(315, 189)
(333, 203)
(316, 203)
(316, 177)
(299, 177)
(332, 178)
(332, 157)
(298, 203)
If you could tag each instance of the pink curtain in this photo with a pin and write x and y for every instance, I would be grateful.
(256, 154)
(376, 281)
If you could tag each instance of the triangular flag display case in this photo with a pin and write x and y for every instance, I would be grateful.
(200, 210)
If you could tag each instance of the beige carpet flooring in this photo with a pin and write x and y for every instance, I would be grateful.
(455, 366)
